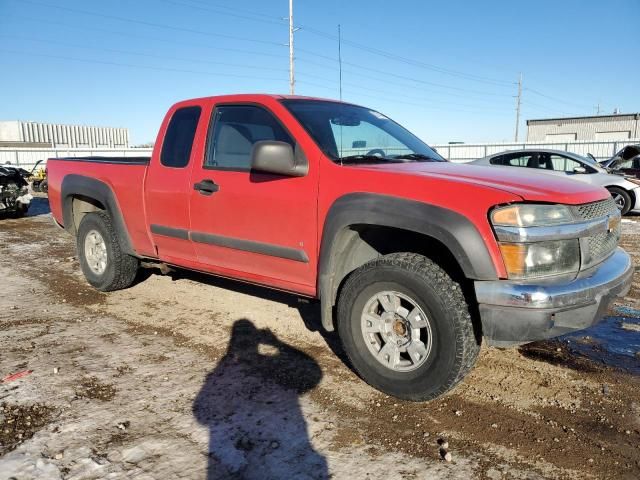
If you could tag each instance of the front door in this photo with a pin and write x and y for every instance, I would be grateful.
(256, 226)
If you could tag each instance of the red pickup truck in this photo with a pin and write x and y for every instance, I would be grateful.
(414, 260)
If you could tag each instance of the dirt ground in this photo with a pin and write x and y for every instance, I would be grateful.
(189, 376)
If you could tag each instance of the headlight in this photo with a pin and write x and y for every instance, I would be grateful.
(525, 259)
(531, 215)
(530, 260)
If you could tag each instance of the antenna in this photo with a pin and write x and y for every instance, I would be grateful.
(292, 81)
(340, 58)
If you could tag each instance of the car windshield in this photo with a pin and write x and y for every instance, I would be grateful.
(352, 134)
(588, 160)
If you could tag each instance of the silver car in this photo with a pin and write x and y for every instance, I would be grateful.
(624, 190)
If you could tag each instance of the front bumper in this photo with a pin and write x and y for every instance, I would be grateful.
(514, 313)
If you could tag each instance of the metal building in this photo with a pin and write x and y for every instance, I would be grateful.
(617, 127)
(32, 134)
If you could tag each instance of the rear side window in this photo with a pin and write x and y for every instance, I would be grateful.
(236, 128)
(514, 160)
(176, 148)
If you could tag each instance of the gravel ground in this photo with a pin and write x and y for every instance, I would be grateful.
(189, 376)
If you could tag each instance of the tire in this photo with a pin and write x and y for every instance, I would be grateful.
(622, 199)
(453, 347)
(20, 211)
(104, 264)
(44, 186)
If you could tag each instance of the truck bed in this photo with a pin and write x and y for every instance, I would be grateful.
(125, 177)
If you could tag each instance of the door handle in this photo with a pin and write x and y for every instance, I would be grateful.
(206, 187)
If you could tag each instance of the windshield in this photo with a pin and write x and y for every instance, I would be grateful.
(589, 161)
(353, 134)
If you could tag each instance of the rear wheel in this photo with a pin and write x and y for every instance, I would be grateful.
(103, 263)
(622, 199)
(406, 327)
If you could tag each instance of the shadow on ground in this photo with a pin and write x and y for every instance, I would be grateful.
(309, 309)
(250, 404)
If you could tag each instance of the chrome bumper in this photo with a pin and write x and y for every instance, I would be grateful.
(516, 312)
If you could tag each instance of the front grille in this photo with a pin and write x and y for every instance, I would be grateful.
(599, 246)
(602, 244)
(589, 211)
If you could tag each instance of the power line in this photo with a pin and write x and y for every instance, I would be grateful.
(423, 99)
(409, 61)
(410, 100)
(151, 55)
(543, 107)
(144, 37)
(555, 99)
(208, 8)
(211, 62)
(151, 24)
(130, 65)
(237, 9)
(276, 20)
(403, 77)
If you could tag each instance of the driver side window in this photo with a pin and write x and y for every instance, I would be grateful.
(235, 129)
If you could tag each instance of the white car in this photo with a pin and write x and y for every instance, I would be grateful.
(624, 190)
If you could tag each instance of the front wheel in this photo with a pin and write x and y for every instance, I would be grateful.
(622, 199)
(103, 263)
(406, 327)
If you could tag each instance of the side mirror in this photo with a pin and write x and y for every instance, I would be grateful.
(271, 156)
(579, 170)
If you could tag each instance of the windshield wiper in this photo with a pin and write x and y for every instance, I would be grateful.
(364, 159)
(416, 156)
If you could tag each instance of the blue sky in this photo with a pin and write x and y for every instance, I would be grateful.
(446, 70)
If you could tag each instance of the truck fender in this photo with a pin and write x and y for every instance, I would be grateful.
(450, 228)
(87, 187)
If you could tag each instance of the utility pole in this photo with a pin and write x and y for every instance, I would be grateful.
(292, 80)
(519, 99)
(340, 58)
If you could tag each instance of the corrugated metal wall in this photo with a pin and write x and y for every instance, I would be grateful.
(71, 136)
(611, 128)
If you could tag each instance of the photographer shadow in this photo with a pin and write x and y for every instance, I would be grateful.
(250, 404)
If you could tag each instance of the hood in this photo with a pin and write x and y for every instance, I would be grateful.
(527, 184)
